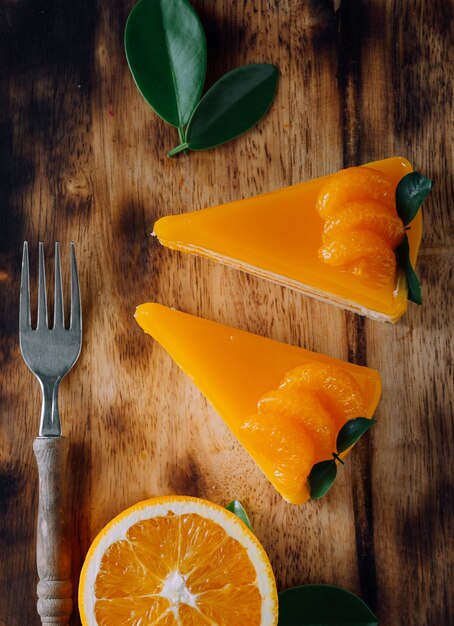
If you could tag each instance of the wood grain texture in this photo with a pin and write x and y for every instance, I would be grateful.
(82, 157)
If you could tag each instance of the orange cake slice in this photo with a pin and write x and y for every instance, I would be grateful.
(285, 404)
(290, 237)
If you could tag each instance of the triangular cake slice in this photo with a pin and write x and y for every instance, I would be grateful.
(235, 369)
(278, 236)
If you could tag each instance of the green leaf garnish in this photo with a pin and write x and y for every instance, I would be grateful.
(352, 431)
(166, 51)
(321, 478)
(403, 259)
(232, 106)
(323, 474)
(237, 508)
(323, 605)
(411, 191)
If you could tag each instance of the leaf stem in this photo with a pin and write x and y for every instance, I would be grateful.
(181, 134)
(181, 148)
(337, 457)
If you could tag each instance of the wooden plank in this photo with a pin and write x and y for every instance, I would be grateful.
(45, 84)
(405, 47)
(83, 158)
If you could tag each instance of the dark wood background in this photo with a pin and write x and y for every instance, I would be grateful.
(82, 157)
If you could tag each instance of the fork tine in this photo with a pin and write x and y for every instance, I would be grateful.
(24, 306)
(76, 319)
(59, 315)
(42, 296)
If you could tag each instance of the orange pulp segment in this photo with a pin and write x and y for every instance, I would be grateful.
(297, 424)
(305, 408)
(277, 236)
(177, 561)
(284, 451)
(361, 228)
(368, 183)
(234, 369)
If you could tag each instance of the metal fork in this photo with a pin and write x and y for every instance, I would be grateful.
(50, 354)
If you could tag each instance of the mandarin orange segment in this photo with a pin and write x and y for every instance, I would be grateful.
(362, 228)
(215, 570)
(363, 253)
(355, 184)
(291, 402)
(338, 391)
(376, 270)
(284, 450)
(370, 216)
(300, 420)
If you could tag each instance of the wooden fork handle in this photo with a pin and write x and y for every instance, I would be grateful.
(53, 552)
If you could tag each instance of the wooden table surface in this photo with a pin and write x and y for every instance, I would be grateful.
(82, 157)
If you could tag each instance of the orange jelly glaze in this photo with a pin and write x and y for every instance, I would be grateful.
(277, 235)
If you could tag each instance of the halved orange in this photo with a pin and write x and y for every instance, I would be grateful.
(177, 561)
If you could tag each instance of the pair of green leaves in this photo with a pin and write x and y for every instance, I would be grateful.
(319, 605)
(410, 194)
(323, 474)
(167, 54)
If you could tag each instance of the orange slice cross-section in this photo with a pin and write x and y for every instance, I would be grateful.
(177, 561)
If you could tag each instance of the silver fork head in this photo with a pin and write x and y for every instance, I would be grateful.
(50, 353)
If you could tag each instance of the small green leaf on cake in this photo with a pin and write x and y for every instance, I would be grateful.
(321, 478)
(413, 283)
(351, 431)
(411, 191)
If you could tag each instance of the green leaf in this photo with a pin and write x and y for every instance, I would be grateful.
(166, 51)
(403, 259)
(321, 478)
(323, 605)
(410, 193)
(232, 106)
(236, 507)
(352, 431)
